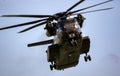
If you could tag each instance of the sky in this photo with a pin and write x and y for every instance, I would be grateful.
(16, 59)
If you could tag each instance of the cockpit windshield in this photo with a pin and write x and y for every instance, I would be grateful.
(69, 25)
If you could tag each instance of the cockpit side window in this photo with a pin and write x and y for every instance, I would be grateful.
(78, 28)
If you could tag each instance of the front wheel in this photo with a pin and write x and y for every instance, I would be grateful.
(89, 57)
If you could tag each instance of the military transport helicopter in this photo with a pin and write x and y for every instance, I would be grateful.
(68, 43)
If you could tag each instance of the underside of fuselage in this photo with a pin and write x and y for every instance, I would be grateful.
(68, 45)
(69, 52)
(69, 48)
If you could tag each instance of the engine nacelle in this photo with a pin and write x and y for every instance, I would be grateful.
(51, 29)
(80, 19)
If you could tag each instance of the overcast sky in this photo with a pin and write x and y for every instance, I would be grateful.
(16, 59)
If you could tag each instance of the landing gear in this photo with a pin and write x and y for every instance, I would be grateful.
(87, 57)
(53, 65)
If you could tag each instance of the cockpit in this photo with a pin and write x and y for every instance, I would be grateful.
(69, 25)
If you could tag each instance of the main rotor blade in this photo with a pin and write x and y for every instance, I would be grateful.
(91, 6)
(33, 27)
(32, 16)
(94, 11)
(74, 6)
(41, 43)
(22, 24)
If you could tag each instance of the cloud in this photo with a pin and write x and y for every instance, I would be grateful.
(113, 57)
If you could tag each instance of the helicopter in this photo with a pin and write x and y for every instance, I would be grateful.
(68, 43)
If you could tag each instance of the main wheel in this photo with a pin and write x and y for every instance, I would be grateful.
(89, 57)
(51, 67)
(54, 66)
(85, 58)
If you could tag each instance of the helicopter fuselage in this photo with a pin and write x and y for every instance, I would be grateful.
(67, 45)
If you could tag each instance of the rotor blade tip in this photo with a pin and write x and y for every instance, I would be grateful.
(110, 0)
(28, 45)
(20, 32)
(5, 16)
(2, 16)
